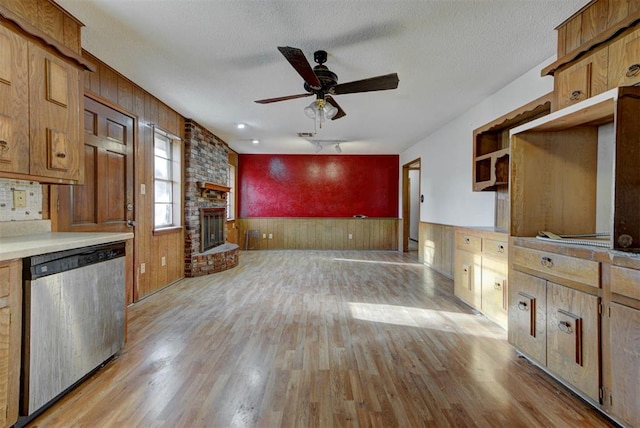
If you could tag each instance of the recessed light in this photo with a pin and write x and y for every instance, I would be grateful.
(241, 126)
(255, 141)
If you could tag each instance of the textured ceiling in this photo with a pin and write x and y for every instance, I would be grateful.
(210, 59)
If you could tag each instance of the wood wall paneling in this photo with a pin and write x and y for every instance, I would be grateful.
(436, 245)
(321, 233)
(108, 86)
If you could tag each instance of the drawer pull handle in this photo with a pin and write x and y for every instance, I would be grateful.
(575, 95)
(523, 306)
(61, 155)
(565, 327)
(467, 241)
(4, 146)
(546, 261)
(501, 248)
(633, 70)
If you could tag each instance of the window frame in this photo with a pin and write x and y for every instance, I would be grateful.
(174, 180)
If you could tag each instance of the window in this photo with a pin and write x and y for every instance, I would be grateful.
(231, 183)
(167, 180)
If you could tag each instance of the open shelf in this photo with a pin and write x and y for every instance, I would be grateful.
(491, 144)
(556, 174)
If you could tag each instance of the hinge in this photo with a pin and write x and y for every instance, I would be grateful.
(600, 308)
(601, 394)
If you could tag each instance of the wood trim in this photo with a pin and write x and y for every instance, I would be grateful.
(25, 27)
(509, 119)
(167, 230)
(601, 38)
(205, 185)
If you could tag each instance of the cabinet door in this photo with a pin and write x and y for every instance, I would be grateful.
(625, 363)
(624, 61)
(527, 315)
(14, 103)
(10, 339)
(467, 277)
(54, 99)
(494, 290)
(582, 80)
(573, 332)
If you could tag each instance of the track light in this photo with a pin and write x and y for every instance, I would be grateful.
(338, 149)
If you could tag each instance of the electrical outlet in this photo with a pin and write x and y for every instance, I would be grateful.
(143, 189)
(19, 198)
(264, 236)
(164, 261)
(351, 236)
(271, 236)
(143, 267)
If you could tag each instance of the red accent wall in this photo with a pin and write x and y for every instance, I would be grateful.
(318, 186)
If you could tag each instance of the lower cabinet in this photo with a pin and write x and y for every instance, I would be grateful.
(10, 339)
(480, 272)
(573, 337)
(528, 315)
(622, 347)
(555, 321)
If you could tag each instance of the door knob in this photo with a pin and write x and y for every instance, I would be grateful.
(131, 223)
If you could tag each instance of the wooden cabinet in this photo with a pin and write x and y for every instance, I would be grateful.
(491, 144)
(10, 339)
(554, 315)
(14, 105)
(40, 110)
(480, 272)
(554, 174)
(528, 315)
(624, 60)
(622, 373)
(582, 79)
(573, 332)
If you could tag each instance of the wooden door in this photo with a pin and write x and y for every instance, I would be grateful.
(105, 202)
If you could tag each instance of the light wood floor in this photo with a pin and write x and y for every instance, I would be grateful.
(316, 338)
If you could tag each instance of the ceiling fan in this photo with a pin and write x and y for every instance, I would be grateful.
(323, 83)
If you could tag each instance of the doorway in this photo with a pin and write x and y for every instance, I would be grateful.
(410, 205)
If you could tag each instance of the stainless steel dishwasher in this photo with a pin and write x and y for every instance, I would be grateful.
(74, 319)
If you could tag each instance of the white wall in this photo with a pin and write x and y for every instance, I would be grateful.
(446, 156)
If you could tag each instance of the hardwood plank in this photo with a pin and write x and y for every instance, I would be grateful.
(316, 338)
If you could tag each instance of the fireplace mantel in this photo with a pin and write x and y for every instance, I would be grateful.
(208, 189)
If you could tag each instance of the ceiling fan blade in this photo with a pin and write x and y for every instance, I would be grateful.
(378, 83)
(297, 59)
(288, 97)
(333, 102)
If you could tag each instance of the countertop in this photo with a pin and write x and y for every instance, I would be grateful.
(37, 240)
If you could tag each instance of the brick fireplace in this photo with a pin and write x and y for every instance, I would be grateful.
(205, 191)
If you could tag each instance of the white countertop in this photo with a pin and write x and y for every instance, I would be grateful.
(31, 244)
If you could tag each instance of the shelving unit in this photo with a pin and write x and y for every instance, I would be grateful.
(491, 144)
(554, 169)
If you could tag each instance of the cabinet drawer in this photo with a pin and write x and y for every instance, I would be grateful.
(556, 265)
(582, 80)
(5, 280)
(467, 242)
(493, 248)
(624, 61)
(625, 281)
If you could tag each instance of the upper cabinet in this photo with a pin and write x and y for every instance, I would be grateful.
(598, 49)
(41, 83)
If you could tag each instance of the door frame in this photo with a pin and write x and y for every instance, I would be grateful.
(131, 244)
(406, 200)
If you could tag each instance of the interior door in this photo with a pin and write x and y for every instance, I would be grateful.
(104, 203)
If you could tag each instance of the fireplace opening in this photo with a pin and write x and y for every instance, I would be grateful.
(212, 223)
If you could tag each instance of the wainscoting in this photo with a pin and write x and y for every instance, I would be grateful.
(319, 233)
(436, 247)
